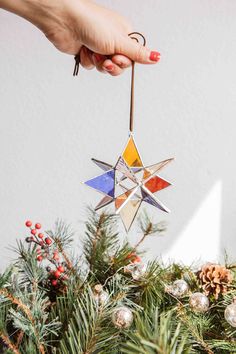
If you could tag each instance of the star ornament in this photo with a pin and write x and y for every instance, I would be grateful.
(129, 183)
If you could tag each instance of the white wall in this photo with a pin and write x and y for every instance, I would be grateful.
(52, 124)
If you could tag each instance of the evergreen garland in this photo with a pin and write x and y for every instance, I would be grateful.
(46, 311)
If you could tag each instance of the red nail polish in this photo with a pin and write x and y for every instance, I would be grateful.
(109, 67)
(155, 56)
(98, 57)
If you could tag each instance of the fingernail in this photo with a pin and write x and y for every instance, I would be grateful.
(155, 56)
(98, 57)
(109, 67)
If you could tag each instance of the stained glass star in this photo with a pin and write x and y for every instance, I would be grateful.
(129, 183)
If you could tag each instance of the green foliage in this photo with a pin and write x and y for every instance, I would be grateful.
(88, 331)
(157, 333)
(37, 318)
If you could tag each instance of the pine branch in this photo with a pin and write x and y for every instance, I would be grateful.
(29, 314)
(6, 340)
(72, 322)
(87, 332)
(193, 327)
(148, 227)
(100, 243)
(17, 302)
(62, 235)
(157, 334)
(19, 339)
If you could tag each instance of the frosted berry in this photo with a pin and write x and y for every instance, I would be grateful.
(38, 226)
(65, 277)
(40, 258)
(61, 269)
(41, 243)
(33, 231)
(57, 274)
(54, 282)
(48, 269)
(38, 250)
(28, 239)
(40, 235)
(28, 223)
(48, 241)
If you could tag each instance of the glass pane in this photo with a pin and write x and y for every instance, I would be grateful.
(104, 183)
(131, 154)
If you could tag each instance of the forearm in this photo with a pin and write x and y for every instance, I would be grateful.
(83, 26)
(38, 12)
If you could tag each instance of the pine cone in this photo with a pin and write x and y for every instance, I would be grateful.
(214, 279)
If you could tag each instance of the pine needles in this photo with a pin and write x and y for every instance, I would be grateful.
(36, 317)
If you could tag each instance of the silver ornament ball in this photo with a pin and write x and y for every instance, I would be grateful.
(137, 270)
(100, 296)
(179, 288)
(122, 317)
(199, 302)
(230, 314)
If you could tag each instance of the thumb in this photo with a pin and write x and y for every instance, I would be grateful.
(137, 52)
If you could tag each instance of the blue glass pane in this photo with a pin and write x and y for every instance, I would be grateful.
(104, 183)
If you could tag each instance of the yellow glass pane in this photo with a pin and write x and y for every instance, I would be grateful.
(131, 154)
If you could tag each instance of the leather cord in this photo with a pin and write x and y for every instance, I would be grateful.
(135, 36)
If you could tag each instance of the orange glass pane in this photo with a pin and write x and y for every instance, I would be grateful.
(156, 184)
(131, 154)
(146, 174)
(122, 198)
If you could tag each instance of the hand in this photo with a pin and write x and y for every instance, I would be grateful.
(98, 34)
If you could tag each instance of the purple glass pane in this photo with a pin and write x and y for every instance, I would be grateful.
(103, 165)
(153, 201)
(104, 202)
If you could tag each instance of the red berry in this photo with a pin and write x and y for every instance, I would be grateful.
(131, 255)
(48, 241)
(54, 282)
(137, 260)
(41, 243)
(28, 223)
(61, 269)
(33, 231)
(40, 235)
(56, 256)
(40, 258)
(38, 250)
(38, 225)
(57, 274)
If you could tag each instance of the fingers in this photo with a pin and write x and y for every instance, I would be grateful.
(121, 60)
(111, 68)
(113, 65)
(86, 58)
(136, 51)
